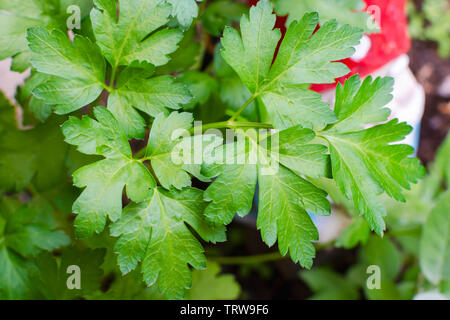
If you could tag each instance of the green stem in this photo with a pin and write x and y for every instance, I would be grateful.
(233, 125)
(113, 77)
(230, 113)
(255, 259)
(241, 109)
(140, 153)
(216, 125)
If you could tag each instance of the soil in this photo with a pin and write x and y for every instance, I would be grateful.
(433, 73)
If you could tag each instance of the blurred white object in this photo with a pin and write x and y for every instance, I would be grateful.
(430, 295)
(10, 80)
(408, 104)
(362, 49)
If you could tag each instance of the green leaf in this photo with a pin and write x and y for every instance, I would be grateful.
(219, 14)
(36, 155)
(7, 114)
(435, 242)
(201, 86)
(136, 34)
(54, 273)
(357, 232)
(104, 180)
(38, 107)
(304, 57)
(163, 138)
(284, 196)
(231, 89)
(16, 276)
(184, 11)
(388, 291)
(439, 172)
(188, 54)
(290, 106)
(155, 232)
(150, 95)
(366, 163)
(328, 285)
(251, 53)
(29, 229)
(16, 16)
(345, 12)
(78, 69)
(210, 285)
(382, 252)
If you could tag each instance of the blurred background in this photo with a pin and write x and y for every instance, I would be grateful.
(413, 46)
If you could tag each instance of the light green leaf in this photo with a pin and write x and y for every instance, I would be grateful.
(366, 163)
(184, 11)
(209, 284)
(78, 69)
(383, 253)
(357, 232)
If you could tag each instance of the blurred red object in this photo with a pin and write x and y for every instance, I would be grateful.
(391, 42)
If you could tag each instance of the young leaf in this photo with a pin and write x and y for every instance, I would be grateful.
(78, 69)
(365, 163)
(104, 180)
(155, 232)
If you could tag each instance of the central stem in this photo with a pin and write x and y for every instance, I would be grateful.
(261, 258)
(241, 109)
